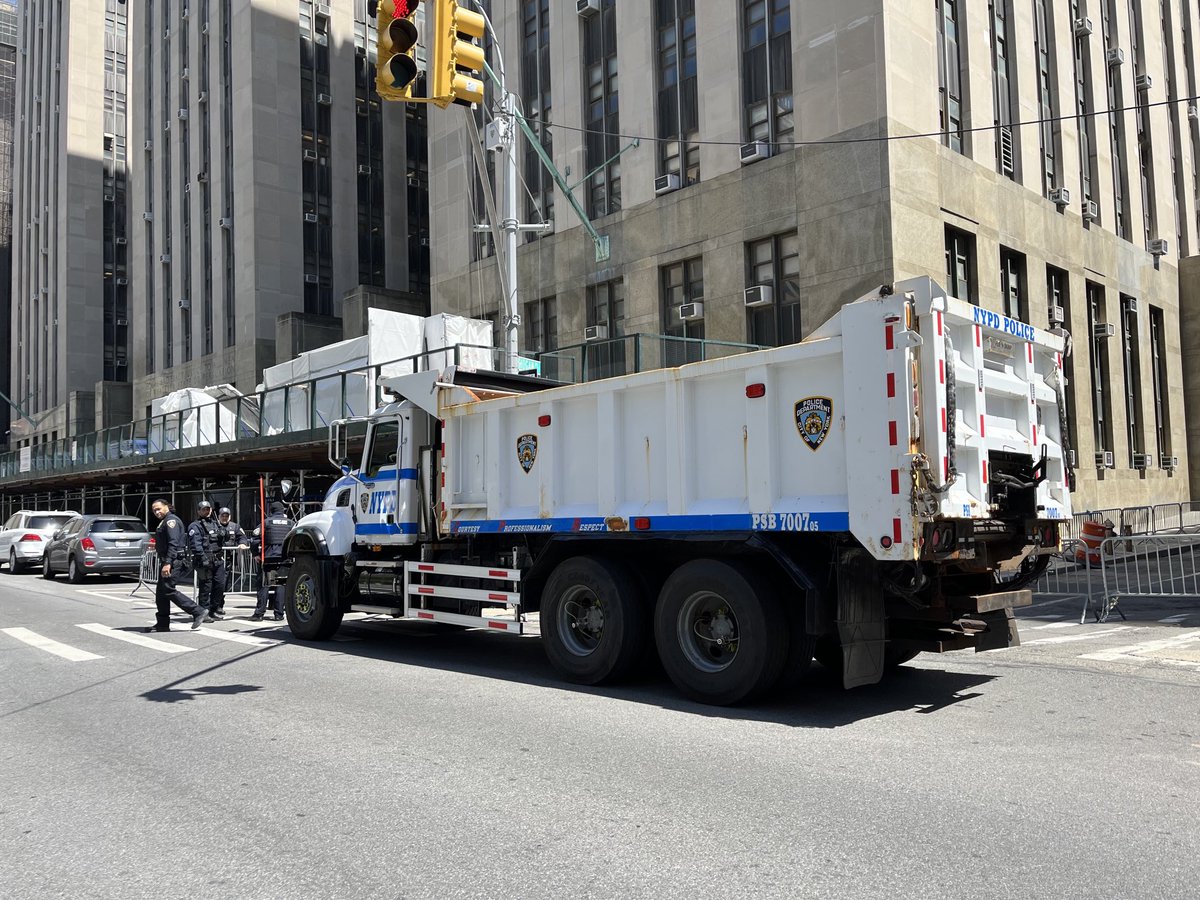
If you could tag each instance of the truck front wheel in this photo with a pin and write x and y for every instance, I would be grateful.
(312, 613)
(721, 633)
(594, 622)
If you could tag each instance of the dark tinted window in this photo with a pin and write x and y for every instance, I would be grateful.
(47, 521)
(114, 526)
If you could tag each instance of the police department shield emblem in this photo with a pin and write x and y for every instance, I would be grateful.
(527, 451)
(364, 500)
(814, 417)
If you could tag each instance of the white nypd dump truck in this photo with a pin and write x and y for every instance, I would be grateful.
(886, 487)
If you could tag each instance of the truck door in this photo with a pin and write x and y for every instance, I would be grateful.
(376, 495)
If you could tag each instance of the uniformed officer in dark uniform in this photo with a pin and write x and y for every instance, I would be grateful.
(170, 547)
(230, 535)
(204, 539)
(275, 530)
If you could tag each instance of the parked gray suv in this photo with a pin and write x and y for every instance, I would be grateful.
(96, 545)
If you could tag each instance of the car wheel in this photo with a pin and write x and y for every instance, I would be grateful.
(74, 573)
(14, 565)
(47, 572)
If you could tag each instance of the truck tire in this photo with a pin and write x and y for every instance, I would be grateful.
(722, 635)
(312, 614)
(595, 626)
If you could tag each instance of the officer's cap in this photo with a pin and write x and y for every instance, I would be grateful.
(204, 504)
(224, 511)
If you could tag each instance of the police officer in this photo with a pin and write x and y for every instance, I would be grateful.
(230, 535)
(169, 546)
(274, 531)
(204, 540)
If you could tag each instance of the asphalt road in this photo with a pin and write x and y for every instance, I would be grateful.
(399, 761)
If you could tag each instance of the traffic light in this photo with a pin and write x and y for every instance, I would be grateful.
(396, 33)
(457, 59)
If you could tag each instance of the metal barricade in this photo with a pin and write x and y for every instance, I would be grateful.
(147, 572)
(1151, 565)
(242, 571)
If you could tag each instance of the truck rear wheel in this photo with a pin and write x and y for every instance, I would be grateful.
(721, 632)
(594, 621)
(312, 614)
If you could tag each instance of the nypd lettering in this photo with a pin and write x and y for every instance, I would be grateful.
(382, 503)
(989, 319)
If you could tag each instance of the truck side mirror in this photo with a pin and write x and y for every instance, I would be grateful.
(345, 469)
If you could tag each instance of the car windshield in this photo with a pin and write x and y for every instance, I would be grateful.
(47, 521)
(113, 526)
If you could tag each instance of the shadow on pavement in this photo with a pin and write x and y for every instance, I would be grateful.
(819, 701)
(175, 695)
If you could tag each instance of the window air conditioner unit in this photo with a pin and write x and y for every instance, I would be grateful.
(424, 242)
(225, 221)
(664, 184)
(1115, 56)
(1104, 460)
(364, 170)
(167, 125)
(148, 145)
(109, 198)
(1091, 210)
(1141, 460)
(414, 181)
(1131, 305)
(183, 13)
(122, 321)
(311, 279)
(121, 242)
(1169, 462)
(1083, 26)
(324, 99)
(758, 295)
(587, 8)
(184, 73)
(689, 312)
(310, 154)
(323, 11)
(311, 218)
(183, 114)
(595, 333)
(121, 363)
(167, 33)
(164, 258)
(1193, 112)
(122, 281)
(754, 151)
(1158, 246)
(1058, 315)
(204, 28)
(1060, 196)
(1104, 330)
(1143, 82)
(202, 177)
(202, 97)
(148, 216)
(185, 303)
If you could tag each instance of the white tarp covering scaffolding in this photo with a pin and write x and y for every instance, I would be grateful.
(396, 341)
(445, 332)
(197, 417)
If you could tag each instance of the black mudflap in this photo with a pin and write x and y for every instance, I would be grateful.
(860, 619)
(1001, 631)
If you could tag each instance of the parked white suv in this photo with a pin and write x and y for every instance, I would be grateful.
(25, 535)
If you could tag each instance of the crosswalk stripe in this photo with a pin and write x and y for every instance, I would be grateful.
(1115, 654)
(131, 638)
(33, 639)
(1171, 620)
(124, 596)
(1081, 637)
(235, 637)
(1053, 625)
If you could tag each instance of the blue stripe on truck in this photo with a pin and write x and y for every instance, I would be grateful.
(383, 528)
(807, 521)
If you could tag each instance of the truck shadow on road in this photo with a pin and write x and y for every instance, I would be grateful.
(818, 702)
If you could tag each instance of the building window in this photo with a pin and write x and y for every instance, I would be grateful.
(1059, 301)
(1132, 359)
(1162, 409)
(368, 127)
(1003, 87)
(1086, 125)
(1116, 127)
(950, 73)
(316, 180)
(682, 292)
(536, 100)
(227, 246)
(767, 71)
(1098, 361)
(678, 93)
(606, 308)
(1013, 291)
(602, 142)
(774, 263)
(541, 325)
(1049, 130)
(960, 264)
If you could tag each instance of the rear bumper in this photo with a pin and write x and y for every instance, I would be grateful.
(28, 551)
(123, 566)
